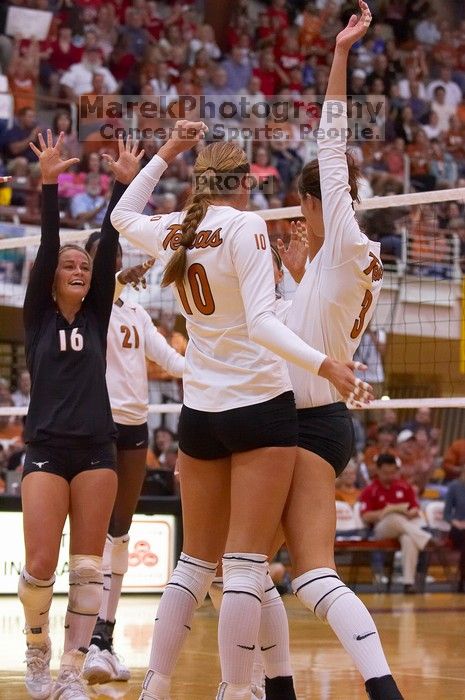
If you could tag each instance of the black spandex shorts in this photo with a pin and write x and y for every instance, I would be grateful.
(328, 432)
(68, 462)
(132, 437)
(208, 435)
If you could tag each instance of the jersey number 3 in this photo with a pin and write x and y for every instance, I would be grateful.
(359, 322)
(200, 290)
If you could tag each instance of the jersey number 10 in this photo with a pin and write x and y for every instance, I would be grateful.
(200, 290)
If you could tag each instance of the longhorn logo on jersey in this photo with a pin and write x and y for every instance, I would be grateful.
(375, 268)
(203, 239)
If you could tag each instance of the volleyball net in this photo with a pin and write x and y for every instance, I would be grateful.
(415, 345)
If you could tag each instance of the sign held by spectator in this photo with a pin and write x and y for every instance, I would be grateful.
(29, 24)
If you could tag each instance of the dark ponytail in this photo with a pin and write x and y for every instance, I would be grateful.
(309, 180)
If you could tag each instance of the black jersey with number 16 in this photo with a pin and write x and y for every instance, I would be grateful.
(69, 399)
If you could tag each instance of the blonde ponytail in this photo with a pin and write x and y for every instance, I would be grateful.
(212, 161)
(176, 266)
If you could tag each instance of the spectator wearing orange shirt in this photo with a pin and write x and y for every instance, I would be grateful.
(385, 444)
(454, 460)
(345, 485)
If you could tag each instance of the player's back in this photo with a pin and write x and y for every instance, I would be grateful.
(228, 283)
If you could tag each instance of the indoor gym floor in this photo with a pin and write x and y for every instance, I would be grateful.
(423, 637)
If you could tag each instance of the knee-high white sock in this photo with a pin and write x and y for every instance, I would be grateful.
(274, 633)
(244, 578)
(36, 597)
(119, 566)
(185, 592)
(85, 597)
(323, 592)
(106, 571)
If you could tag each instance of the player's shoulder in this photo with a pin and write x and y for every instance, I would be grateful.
(248, 218)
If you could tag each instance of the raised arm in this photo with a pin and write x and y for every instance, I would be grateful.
(127, 217)
(40, 286)
(342, 232)
(255, 272)
(160, 351)
(100, 296)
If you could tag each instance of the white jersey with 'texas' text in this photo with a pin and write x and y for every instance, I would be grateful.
(131, 339)
(227, 298)
(339, 291)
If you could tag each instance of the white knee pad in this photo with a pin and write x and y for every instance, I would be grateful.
(216, 592)
(120, 555)
(318, 589)
(245, 573)
(85, 584)
(34, 593)
(193, 576)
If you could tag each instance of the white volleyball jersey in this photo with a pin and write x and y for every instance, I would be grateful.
(339, 291)
(131, 339)
(227, 299)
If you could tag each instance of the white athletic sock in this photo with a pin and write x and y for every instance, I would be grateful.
(114, 596)
(323, 592)
(114, 565)
(274, 633)
(244, 578)
(106, 570)
(185, 592)
(36, 597)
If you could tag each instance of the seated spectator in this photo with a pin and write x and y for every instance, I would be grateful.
(452, 92)
(161, 83)
(201, 68)
(205, 39)
(423, 419)
(389, 505)
(443, 166)
(62, 123)
(444, 110)
(270, 74)
(77, 80)
(417, 454)
(385, 444)
(10, 430)
(16, 139)
(454, 460)
(137, 37)
(88, 208)
(419, 151)
(345, 485)
(454, 513)
(454, 141)
(432, 127)
(22, 395)
(426, 31)
(93, 164)
(238, 69)
(23, 74)
(411, 85)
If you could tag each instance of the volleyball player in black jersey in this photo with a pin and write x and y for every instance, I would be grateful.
(69, 466)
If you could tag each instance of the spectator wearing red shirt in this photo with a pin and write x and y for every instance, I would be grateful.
(390, 506)
(270, 74)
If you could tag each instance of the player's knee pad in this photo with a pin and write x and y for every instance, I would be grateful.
(318, 589)
(120, 555)
(216, 592)
(245, 573)
(193, 576)
(85, 584)
(35, 593)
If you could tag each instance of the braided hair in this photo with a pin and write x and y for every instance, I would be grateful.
(214, 160)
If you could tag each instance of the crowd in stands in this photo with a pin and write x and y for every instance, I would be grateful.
(410, 66)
